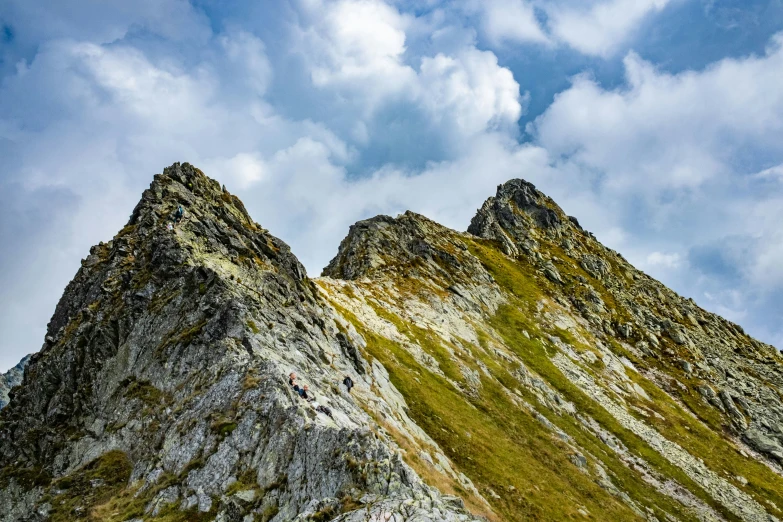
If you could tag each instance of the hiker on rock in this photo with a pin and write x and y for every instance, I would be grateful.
(348, 382)
(292, 382)
(179, 214)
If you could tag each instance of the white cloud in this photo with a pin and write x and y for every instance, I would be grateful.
(599, 28)
(775, 172)
(243, 170)
(356, 50)
(357, 45)
(508, 21)
(672, 131)
(729, 304)
(248, 53)
(763, 265)
(470, 89)
(663, 260)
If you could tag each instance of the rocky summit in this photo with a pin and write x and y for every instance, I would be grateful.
(516, 371)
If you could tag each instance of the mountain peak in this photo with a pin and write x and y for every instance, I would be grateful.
(162, 389)
(518, 371)
(516, 209)
(382, 243)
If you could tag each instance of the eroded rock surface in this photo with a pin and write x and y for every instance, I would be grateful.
(162, 387)
(11, 379)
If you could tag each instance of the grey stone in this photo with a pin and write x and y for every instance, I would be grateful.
(11, 379)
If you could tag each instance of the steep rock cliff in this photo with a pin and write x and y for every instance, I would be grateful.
(161, 391)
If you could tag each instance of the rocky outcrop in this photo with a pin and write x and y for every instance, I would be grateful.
(162, 386)
(10, 379)
(645, 314)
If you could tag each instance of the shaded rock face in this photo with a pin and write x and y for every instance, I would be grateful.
(10, 379)
(162, 387)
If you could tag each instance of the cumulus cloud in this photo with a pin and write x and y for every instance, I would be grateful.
(651, 166)
(672, 131)
(511, 21)
(356, 52)
(672, 155)
(594, 27)
(357, 45)
(470, 89)
(599, 28)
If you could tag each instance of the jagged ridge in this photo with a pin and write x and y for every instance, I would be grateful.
(687, 405)
(521, 366)
(160, 392)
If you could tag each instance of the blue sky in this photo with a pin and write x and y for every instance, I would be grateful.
(658, 123)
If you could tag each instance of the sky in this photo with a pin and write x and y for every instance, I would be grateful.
(657, 123)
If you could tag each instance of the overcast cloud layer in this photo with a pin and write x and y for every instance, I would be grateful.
(320, 113)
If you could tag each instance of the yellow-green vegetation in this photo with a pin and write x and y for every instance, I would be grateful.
(224, 427)
(702, 439)
(252, 325)
(514, 318)
(28, 477)
(185, 337)
(509, 322)
(94, 484)
(161, 299)
(517, 463)
(718, 453)
(129, 504)
(250, 381)
(144, 391)
(499, 446)
(128, 501)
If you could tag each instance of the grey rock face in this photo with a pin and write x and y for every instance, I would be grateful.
(11, 379)
(171, 347)
(382, 244)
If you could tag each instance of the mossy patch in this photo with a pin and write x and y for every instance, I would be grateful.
(27, 477)
(252, 325)
(144, 391)
(92, 485)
